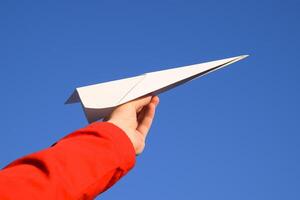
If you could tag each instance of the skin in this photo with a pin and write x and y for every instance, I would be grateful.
(135, 119)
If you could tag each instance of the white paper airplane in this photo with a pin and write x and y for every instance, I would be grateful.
(100, 99)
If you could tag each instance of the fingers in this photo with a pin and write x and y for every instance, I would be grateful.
(141, 102)
(141, 114)
(155, 100)
(146, 116)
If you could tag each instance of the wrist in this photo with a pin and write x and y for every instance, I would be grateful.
(136, 140)
(124, 129)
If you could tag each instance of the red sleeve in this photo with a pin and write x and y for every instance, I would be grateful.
(79, 166)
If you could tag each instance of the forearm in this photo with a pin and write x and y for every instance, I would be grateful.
(79, 166)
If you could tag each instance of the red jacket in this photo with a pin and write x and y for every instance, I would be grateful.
(79, 166)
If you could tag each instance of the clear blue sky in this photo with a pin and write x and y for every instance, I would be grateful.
(231, 135)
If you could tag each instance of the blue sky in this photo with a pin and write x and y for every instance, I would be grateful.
(231, 135)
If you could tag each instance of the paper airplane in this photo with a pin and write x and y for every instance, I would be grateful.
(99, 100)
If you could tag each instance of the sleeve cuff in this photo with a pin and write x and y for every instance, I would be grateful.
(121, 141)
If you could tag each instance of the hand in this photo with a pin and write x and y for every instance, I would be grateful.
(135, 118)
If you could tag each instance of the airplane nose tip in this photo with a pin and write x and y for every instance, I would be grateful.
(243, 56)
